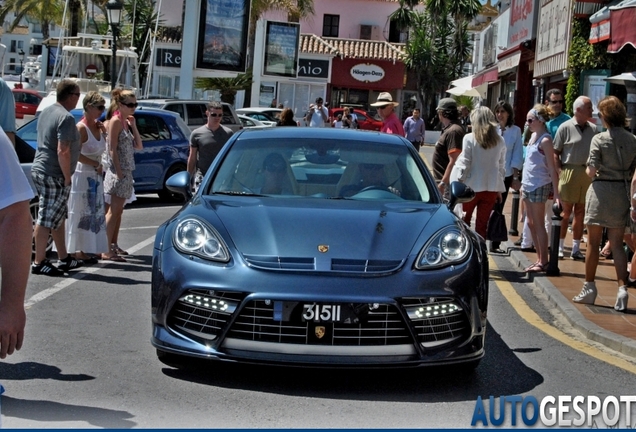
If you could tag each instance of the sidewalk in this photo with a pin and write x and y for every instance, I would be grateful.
(598, 322)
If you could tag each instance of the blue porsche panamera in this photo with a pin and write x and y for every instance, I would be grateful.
(319, 247)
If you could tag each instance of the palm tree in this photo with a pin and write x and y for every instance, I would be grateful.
(45, 12)
(226, 86)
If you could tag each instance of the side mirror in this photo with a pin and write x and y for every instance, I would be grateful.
(180, 183)
(459, 193)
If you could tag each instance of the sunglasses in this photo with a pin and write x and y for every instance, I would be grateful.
(554, 102)
(275, 168)
(215, 115)
(372, 167)
(131, 104)
(529, 121)
(383, 106)
(100, 107)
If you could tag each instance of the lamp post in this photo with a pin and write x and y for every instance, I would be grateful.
(114, 8)
(21, 54)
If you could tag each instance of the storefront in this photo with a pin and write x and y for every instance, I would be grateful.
(358, 82)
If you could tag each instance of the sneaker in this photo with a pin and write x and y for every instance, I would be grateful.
(561, 254)
(518, 242)
(46, 268)
(577, 256)
(587, 294)
(69, 263)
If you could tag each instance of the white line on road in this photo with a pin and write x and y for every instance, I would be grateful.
(77, 276)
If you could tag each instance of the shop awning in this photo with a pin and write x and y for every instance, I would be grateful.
(623, 30)
(486, 76)
(509, 62)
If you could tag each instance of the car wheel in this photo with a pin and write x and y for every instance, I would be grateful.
(34, 208)
(167, 195)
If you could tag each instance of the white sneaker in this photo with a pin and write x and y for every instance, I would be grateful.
(561, 254)
(621, 299)
(587, 294)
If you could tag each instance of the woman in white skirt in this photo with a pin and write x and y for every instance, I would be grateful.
(86, 232)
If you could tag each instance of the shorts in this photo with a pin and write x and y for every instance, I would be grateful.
(573, 184)
(53, 200)
(539, 195)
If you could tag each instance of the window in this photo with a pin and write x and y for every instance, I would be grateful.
(152, 128)
(330, 25)
(196, 114)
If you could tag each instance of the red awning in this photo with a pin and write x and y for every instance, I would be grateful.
(486, 76)
(623, 30)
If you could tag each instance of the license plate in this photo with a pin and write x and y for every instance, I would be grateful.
(317, 312)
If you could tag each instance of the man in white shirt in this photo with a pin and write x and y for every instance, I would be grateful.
(318, 114)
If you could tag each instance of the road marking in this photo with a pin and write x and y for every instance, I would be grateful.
(79, 275)
(532, 318)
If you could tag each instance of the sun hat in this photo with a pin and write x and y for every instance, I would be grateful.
(384, 98)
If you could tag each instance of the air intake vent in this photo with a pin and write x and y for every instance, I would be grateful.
(365, 266)
(279, 263)
(437, 320)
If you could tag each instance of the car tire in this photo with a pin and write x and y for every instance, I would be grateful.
(34, 209)
(165, 194)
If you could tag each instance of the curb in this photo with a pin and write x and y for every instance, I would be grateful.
(590, 330)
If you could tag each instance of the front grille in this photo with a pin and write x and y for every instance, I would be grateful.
(382, 326)
(204, 313)
(365, 266)
(436, 320)
(273, 262)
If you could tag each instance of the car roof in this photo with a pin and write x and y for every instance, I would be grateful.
(324, 133)
(258, 109)
(23, 90)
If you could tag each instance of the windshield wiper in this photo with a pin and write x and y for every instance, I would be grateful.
(241, 193)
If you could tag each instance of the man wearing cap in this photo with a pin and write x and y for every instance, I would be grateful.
(318, 114)
(449, 145)
(390, 122)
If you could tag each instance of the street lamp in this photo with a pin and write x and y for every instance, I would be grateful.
(114, 8)
(21, 54)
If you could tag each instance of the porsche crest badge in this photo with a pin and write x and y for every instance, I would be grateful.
(320, 331)
(323, 248)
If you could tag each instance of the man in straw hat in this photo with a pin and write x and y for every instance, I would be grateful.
(390, 122)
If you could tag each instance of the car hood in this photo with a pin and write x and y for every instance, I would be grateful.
(350, 229)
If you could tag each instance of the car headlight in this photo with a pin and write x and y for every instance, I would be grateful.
(448, 246)
(193, 236)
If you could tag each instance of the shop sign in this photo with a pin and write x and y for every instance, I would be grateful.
(554, 30)
(168, 58)
(521, 21)
(367, 72)
(309, 68)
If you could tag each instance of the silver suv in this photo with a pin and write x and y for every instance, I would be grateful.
(193, 111)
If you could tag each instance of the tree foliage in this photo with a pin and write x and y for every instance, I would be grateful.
(438, 44)
(227, 87)
(45, 12)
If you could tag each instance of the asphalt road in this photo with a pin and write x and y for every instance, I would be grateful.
(87, 362)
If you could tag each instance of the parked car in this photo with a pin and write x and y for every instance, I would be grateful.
(251, 123)
(365, 120)
(265, 115)
(193, 111)
(26, 102)
(328, 247)
(166, 144)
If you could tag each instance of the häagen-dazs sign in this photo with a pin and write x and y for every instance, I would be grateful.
(367, 72)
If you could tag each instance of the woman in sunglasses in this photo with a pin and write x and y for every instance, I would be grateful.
(123, 140)
(86, 233)
(539, 180)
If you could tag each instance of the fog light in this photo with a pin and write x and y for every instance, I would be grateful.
(432, 310)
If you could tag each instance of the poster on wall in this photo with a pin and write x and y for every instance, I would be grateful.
(593, 85)
(223, 35)
(282, 41)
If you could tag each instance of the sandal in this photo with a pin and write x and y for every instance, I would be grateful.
(119, 251)
(115, 258)
(535, 268)
(606, 255)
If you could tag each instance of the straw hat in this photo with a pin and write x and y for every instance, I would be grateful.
(384, 98)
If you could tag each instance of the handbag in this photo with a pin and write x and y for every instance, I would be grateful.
(497, 230)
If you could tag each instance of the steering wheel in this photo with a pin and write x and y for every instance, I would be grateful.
(373, 187)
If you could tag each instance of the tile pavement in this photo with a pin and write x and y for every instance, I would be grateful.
(598, 322)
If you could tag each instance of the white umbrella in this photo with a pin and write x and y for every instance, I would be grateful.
(479, 91)
(620, 79)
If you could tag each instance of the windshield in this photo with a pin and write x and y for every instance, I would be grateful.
(321, 168)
